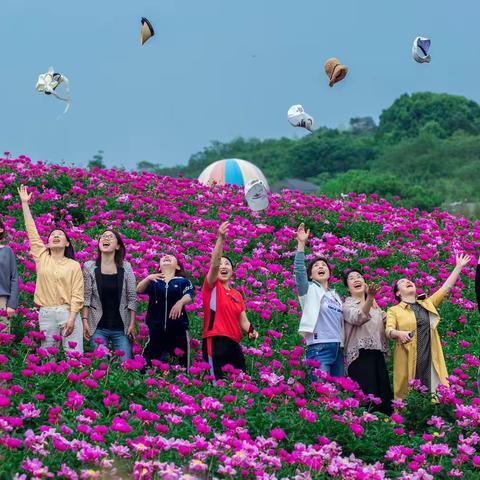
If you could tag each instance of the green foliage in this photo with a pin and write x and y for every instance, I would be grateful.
(410, 113)
(97, 161)
(386, 185)
(145, 166)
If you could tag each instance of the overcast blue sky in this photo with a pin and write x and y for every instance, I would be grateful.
(216, 69)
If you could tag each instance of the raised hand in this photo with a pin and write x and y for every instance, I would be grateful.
(223, 229)
(372, 290)
(302, 235)
(462, 260)
(24, 195)
(156, 276)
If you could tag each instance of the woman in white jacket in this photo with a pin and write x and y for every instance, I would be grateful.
(322, 318)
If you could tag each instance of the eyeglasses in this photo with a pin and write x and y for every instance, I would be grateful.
(108, 236)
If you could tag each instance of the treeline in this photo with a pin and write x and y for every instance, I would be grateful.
(426, 149)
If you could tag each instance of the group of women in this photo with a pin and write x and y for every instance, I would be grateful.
(99, 304)
(342, 336)
(355, 333)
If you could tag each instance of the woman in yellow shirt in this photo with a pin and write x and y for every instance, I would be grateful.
(413, 324)
(59, 286)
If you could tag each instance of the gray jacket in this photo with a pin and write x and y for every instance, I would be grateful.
(128, 296)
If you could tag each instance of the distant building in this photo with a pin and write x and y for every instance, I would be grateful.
(294, 184)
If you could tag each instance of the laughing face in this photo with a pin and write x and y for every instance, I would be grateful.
(108, 242)
(356, 283)
(225, 272)
(320, 271)
(57, 239)
(169, 262)
(405, 288)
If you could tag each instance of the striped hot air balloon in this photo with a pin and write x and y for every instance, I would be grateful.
(233, 171)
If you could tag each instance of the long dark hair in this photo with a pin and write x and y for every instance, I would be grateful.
(3, 234)
(396, 288)
(119, 254)
(69, 251)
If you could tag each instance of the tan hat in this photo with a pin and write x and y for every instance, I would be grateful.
(335, 71)
(147, 31)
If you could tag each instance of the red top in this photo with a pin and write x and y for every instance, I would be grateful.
(222, 308)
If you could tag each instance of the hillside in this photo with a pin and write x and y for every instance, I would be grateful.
(425, 150)
(90, 418)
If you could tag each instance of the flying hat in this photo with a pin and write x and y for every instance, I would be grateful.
(299, 118)
(147, 31)
(335, 71)
(48, 82)
(256, 195)
(420, 48)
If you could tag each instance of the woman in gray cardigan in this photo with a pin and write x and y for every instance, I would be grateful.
(110, 296)
(8, 281)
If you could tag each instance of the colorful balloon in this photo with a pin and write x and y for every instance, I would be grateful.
(233, 171)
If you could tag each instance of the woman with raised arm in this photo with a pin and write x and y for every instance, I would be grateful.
(110, 296)
(366, 344)
(169, 291)
(8, 280)
(413, 325)
(224, 313)
(59, 286)
(322, 314)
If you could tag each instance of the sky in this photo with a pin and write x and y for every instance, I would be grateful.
(215, 70)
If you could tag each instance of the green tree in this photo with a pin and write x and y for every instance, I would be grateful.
(97, 161)
(410, 113)
(384, 184)
(145, 166)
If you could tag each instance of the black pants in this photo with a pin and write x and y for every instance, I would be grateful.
(164, 342)
(221, 351)
(370, 372)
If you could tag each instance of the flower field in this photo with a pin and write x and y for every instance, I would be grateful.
(90, 417)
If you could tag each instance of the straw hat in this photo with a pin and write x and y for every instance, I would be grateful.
(147, 31)
(335, 71)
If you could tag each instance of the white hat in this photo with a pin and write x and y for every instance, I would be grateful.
(256, 195)
(48, 82)
(420, 48)
(299, 118)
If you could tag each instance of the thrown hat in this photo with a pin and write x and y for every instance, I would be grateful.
(299, 118)
(48, 82)
(335, 71)
(147, 31)
(420, 48)
(256, 195)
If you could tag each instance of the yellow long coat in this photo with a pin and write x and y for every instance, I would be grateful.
(402, 317)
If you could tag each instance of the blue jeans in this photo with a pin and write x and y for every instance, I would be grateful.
(118, 338)
(330, 356)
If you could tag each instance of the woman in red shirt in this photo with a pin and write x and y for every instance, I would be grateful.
(224, 313)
